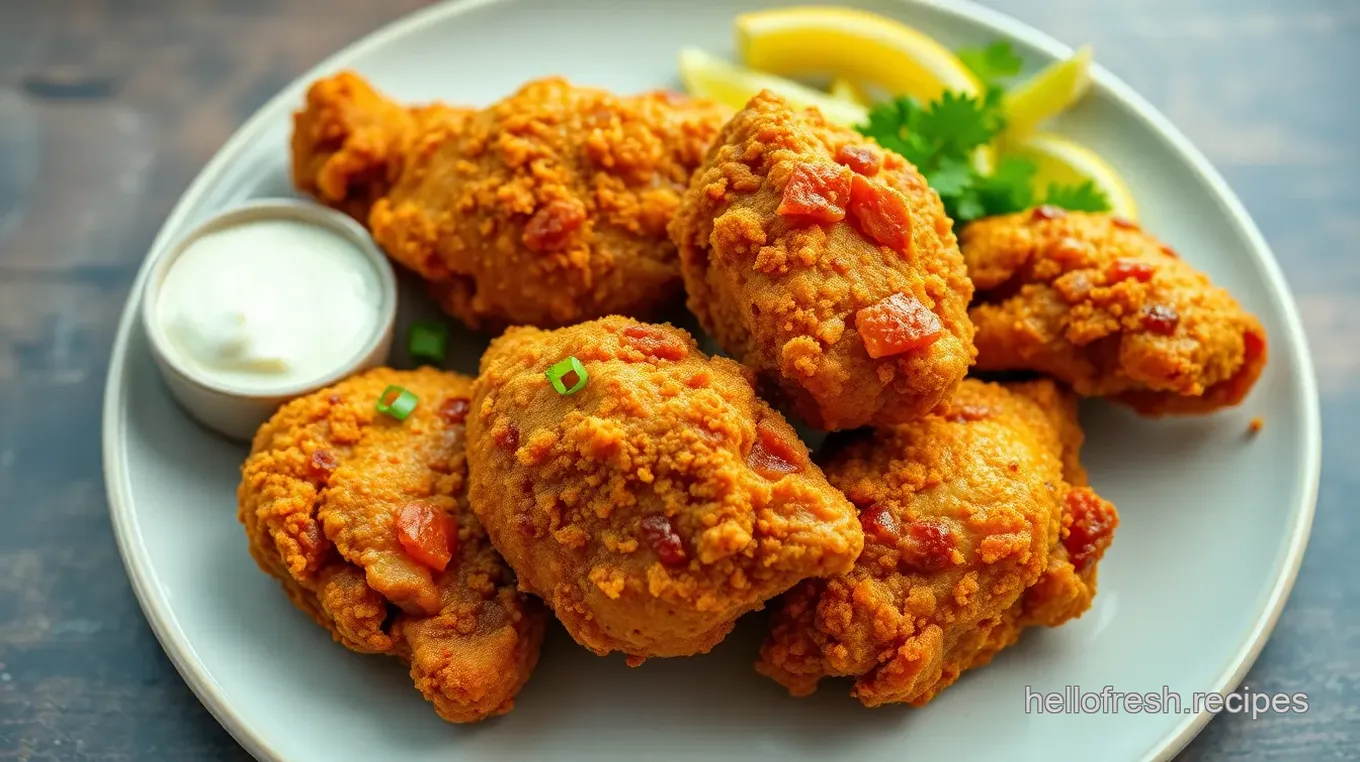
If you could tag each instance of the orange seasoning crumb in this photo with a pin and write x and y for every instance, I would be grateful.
(1255, 426)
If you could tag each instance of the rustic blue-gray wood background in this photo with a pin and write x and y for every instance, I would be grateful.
(131, 98)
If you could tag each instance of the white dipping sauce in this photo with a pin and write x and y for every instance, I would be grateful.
(268, 305)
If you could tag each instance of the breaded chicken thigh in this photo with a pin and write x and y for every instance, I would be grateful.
(364, 520)
(1096, 302)
(657, 504)
(826, 264)
(547, 208)
(978, 522)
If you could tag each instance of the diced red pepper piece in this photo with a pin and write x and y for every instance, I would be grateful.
(772, 457)
(898, 324)
(878, 521)
(863, 160)
(1124, 222)
(321, 464)
(1123, 269)
(1091, 530)
(929, 545)
(427, 534)
(1160, 319)
(661, 536)
(454, 410)
(882, 213)
(817, 191)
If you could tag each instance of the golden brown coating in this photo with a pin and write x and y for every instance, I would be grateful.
(320, 498)
(1096, 302)
(781, 291)
(654, 506)
(978, 522)
(547, 208)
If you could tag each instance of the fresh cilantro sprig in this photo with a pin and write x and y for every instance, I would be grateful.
(942, 138)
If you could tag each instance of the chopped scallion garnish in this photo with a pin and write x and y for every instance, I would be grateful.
(428, 341)
(568, 376)
(397, 402)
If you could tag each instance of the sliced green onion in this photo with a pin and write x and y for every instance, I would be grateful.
(428, 341)
(397, 402)
(569, 371)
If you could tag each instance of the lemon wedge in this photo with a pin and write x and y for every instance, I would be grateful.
(859, 46)
(1047, 93)
(1062, 161)
(843, 89)
(707, 76)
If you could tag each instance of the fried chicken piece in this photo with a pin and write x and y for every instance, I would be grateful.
(657, 504)
(1096, 302)
(341, 504)
(978, 523)
(548, 208)
(828, 265)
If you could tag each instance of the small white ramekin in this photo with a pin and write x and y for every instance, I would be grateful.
(237, 412)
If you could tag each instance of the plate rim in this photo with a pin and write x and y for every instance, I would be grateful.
(158, 611)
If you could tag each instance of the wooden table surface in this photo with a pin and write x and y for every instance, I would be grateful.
(108, 109)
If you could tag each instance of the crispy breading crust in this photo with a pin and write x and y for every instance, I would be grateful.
(781, 294)
(661, 436)
(1101, 305)
(318, 499)
(547, 208)
(968, 517)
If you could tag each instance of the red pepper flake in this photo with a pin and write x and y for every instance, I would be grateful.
(929, 546)
(1124, 223)
(551, 227)
(654, 342)
(1160, 319)
(1090, 522)
(660, 534)
(817, 191)
(1170, 252)
(897, 324)
(1047, 212)
(1123, 269)
(967, 413)
(882, 213)
(454, 410)
(508, 437)
(321, 464)
(878, 521)
(772, 456)
(428, 534)
(861, 159)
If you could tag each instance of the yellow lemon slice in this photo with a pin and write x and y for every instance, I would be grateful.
(843, 89)
(707, 76)
(1047, 93)
(1067, 163)
(859, 46)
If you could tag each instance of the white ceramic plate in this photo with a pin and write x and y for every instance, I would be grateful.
(1214, 524)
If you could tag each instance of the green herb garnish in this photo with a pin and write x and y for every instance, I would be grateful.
(428, 341)
(942, 139)
(568, 376)
(397, 402)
